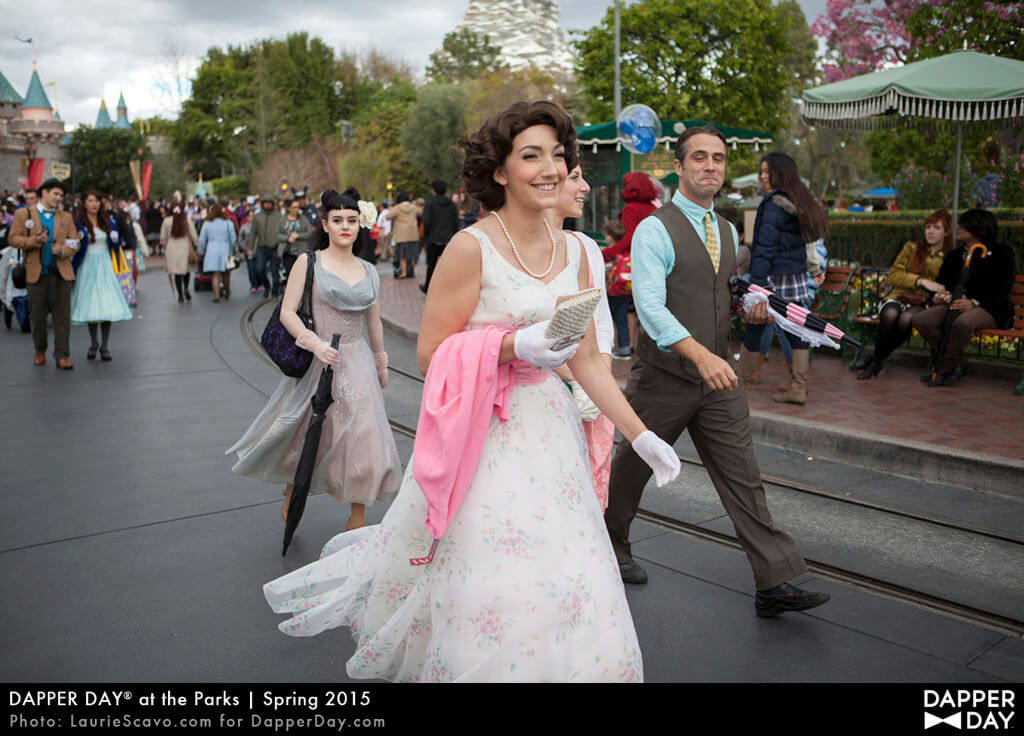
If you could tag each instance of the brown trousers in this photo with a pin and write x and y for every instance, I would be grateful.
(929, 324)
(39, 307)
(719, 425)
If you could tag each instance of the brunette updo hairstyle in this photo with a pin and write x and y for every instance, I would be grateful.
(487, 148)
(329, 200)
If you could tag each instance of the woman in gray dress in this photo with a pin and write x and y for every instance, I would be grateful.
(357, 459)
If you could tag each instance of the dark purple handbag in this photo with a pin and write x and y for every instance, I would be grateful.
(279, 343)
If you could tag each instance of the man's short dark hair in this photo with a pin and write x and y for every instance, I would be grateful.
(51, 183)
(699, 130)
(439, 186)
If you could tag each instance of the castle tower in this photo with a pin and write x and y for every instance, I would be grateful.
(32, 134)
(36, 105)
(10, 100)
(103, 117)
(122, 114)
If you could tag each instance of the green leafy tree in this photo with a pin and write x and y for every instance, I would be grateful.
(493, 91)
(435, 123)
(376, 153)
(219, 124)
(248, 101)
(463, 55)
(300, 74)
(796, 138)
(102, 156)
(715, 60)
(985, 26)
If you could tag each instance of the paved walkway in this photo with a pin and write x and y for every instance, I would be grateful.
(133, 554)
(980, 415)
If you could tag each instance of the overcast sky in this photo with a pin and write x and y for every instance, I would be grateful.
(95, 49)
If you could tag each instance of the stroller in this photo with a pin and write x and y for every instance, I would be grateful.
(14, 300)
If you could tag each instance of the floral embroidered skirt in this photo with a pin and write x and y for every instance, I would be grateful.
(524, 585)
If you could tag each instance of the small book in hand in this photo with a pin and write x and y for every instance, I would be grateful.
(573, 313)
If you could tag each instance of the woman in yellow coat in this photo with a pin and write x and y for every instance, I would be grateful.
(912, 278)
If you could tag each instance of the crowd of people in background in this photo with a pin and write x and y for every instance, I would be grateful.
(202, 239)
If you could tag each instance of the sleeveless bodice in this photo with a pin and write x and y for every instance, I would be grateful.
(511, 299)
(338, 307)
(98, 241)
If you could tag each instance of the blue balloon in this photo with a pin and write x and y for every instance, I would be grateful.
(638, 128)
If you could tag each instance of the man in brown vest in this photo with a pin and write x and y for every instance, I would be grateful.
(682, 258)
(48, 238)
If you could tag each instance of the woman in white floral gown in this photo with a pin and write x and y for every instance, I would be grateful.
(523, 585)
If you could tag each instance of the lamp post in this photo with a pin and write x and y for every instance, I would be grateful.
(618, 55)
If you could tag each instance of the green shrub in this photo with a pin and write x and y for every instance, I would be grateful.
(230, 186)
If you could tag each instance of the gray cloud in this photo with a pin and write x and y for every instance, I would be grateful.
(93, 50)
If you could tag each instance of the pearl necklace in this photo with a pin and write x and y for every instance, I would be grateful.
(515, 251)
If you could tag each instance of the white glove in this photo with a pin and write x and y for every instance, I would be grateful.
(532, 347)
(308, 340)
(659, 455)
(588, 409)
(381, 361)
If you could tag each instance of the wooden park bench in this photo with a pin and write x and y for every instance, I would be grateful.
(866, 324)
(833, 298)
(1016, 331)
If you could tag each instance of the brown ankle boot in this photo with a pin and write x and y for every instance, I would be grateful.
(785, 385)
(797, 393)
(750, 366)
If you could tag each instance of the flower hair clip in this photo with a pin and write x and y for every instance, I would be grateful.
(367, 214)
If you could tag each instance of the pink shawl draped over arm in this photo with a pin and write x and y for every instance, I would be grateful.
(464, 388)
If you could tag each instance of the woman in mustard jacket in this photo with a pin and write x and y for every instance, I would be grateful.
(912, 278)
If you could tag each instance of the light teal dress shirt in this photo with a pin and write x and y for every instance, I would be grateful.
(652, 259)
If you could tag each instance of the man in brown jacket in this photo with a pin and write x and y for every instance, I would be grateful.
(682, 257)
(48, 238)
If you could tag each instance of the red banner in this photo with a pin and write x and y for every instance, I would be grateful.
(35, 172)
(147, 173)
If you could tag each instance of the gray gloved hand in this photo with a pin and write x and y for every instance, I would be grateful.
(659, 455)
(532, 347)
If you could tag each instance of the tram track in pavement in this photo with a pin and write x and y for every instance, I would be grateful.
(874, 584)
(1011, 625)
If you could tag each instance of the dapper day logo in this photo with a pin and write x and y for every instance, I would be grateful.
(976, 710)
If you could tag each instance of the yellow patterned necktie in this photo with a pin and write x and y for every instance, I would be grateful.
(711, 243)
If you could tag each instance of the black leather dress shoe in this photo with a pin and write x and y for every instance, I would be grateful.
(632, 573)
(949, 379)
(786, 597)
(870, 371)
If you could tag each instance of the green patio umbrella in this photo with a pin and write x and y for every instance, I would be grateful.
(962, 88)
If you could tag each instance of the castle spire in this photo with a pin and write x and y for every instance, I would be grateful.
(103, 117)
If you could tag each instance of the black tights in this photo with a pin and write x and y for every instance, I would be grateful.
(893, 330)
(181, 283)
(104, 331)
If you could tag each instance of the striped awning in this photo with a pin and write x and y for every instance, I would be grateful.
(963, 86)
